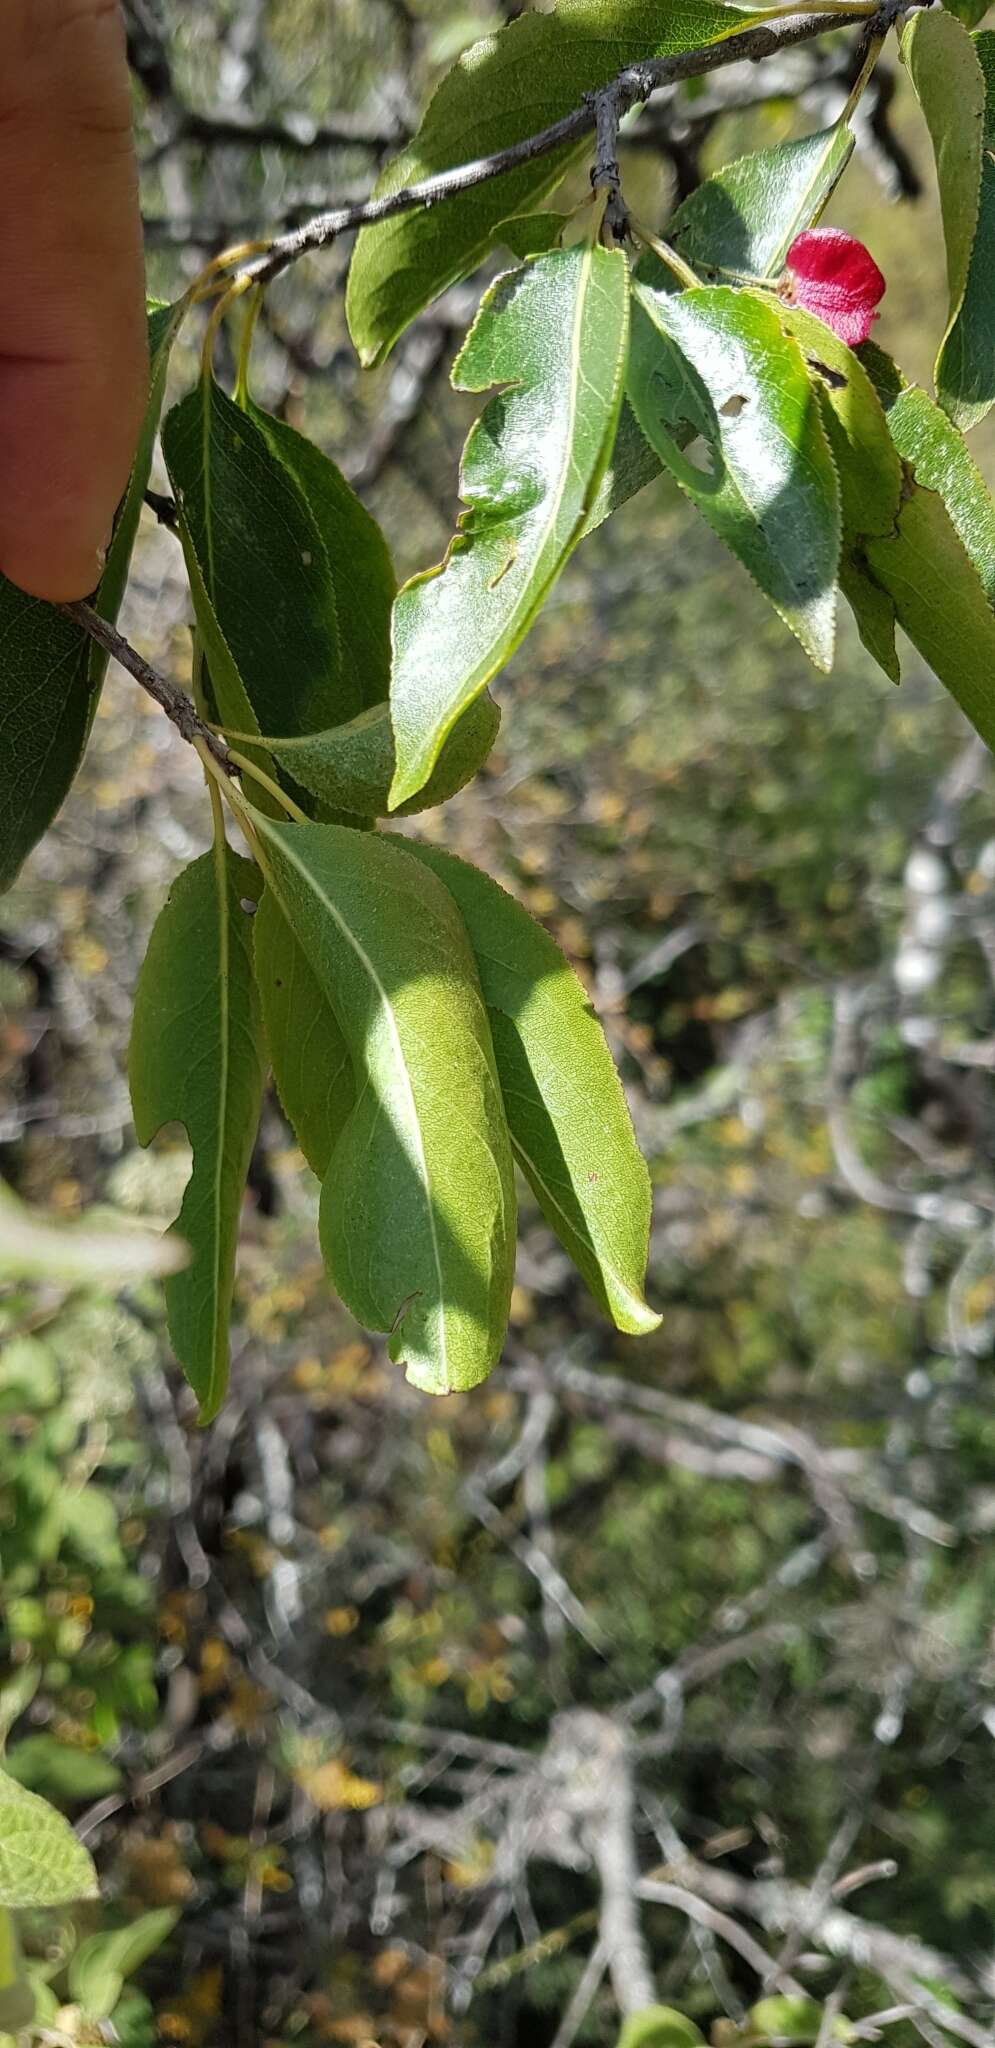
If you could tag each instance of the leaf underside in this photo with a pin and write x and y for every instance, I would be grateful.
(196, 1058)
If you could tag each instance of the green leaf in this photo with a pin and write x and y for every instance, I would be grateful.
(17, 1998)
(262, 584)
(507, 87)
(659, 2026)
(970, 12)
(308, 1054)
(943, 65)
(941, 602)
(50, 670)
(745, 216)
(195, 1057)
(717, 362)
(103, 1961)
(554, 335)
(867, 464)
(358, 557)
(418, 1203)
(42, 1863)
(795, 2020)
(530, 234)
(965, 366)
(570, 1127)
(352, 767)
(44, 1764)
(939, 457)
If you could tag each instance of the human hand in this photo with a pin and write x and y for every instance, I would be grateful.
(72, 312)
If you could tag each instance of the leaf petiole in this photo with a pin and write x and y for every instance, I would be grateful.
(259, 775)
(681, 270)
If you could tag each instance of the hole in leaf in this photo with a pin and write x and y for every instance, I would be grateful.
(699, 455)
(733, 406)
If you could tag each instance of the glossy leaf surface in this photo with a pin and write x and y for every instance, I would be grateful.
(351, 767)
(868, 468)
(715, 364)
(196, 1058)
(746, 215)
(418, 1202)
(509, 86)
(358, 557)
(941, 461)
(263, 589)
(570, 1125)
(554, 335)
(309, 1056)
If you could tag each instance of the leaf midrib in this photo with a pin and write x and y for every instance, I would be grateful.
(311, 882)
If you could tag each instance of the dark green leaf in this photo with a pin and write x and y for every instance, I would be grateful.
(944, 68)
(42, 1863)
(716, 362)
(308, 1054)
(570, 1126)
(418, 1203)
(965, 367)
(196, 1058)
(553, 333)
(351, 767)
(50, 670)
(941, 602)
(358, 557)
(507, 87)
(263, 589)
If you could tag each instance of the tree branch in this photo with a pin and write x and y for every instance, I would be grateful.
(632, 85)
(173, 701)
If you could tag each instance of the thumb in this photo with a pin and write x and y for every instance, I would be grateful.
(72, 315)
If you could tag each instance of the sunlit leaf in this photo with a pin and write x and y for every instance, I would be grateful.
(745, 217)
(351, 767)
(309, 1056)
(939, 456)
(868, 467)
(196, 1058)
(418, 1202)
(509, 86)
(42, 1863)
(941, 602)
(554, 334)
(715, 362)
(570, 1126)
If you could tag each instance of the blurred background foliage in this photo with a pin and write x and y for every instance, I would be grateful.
(314, 1683)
